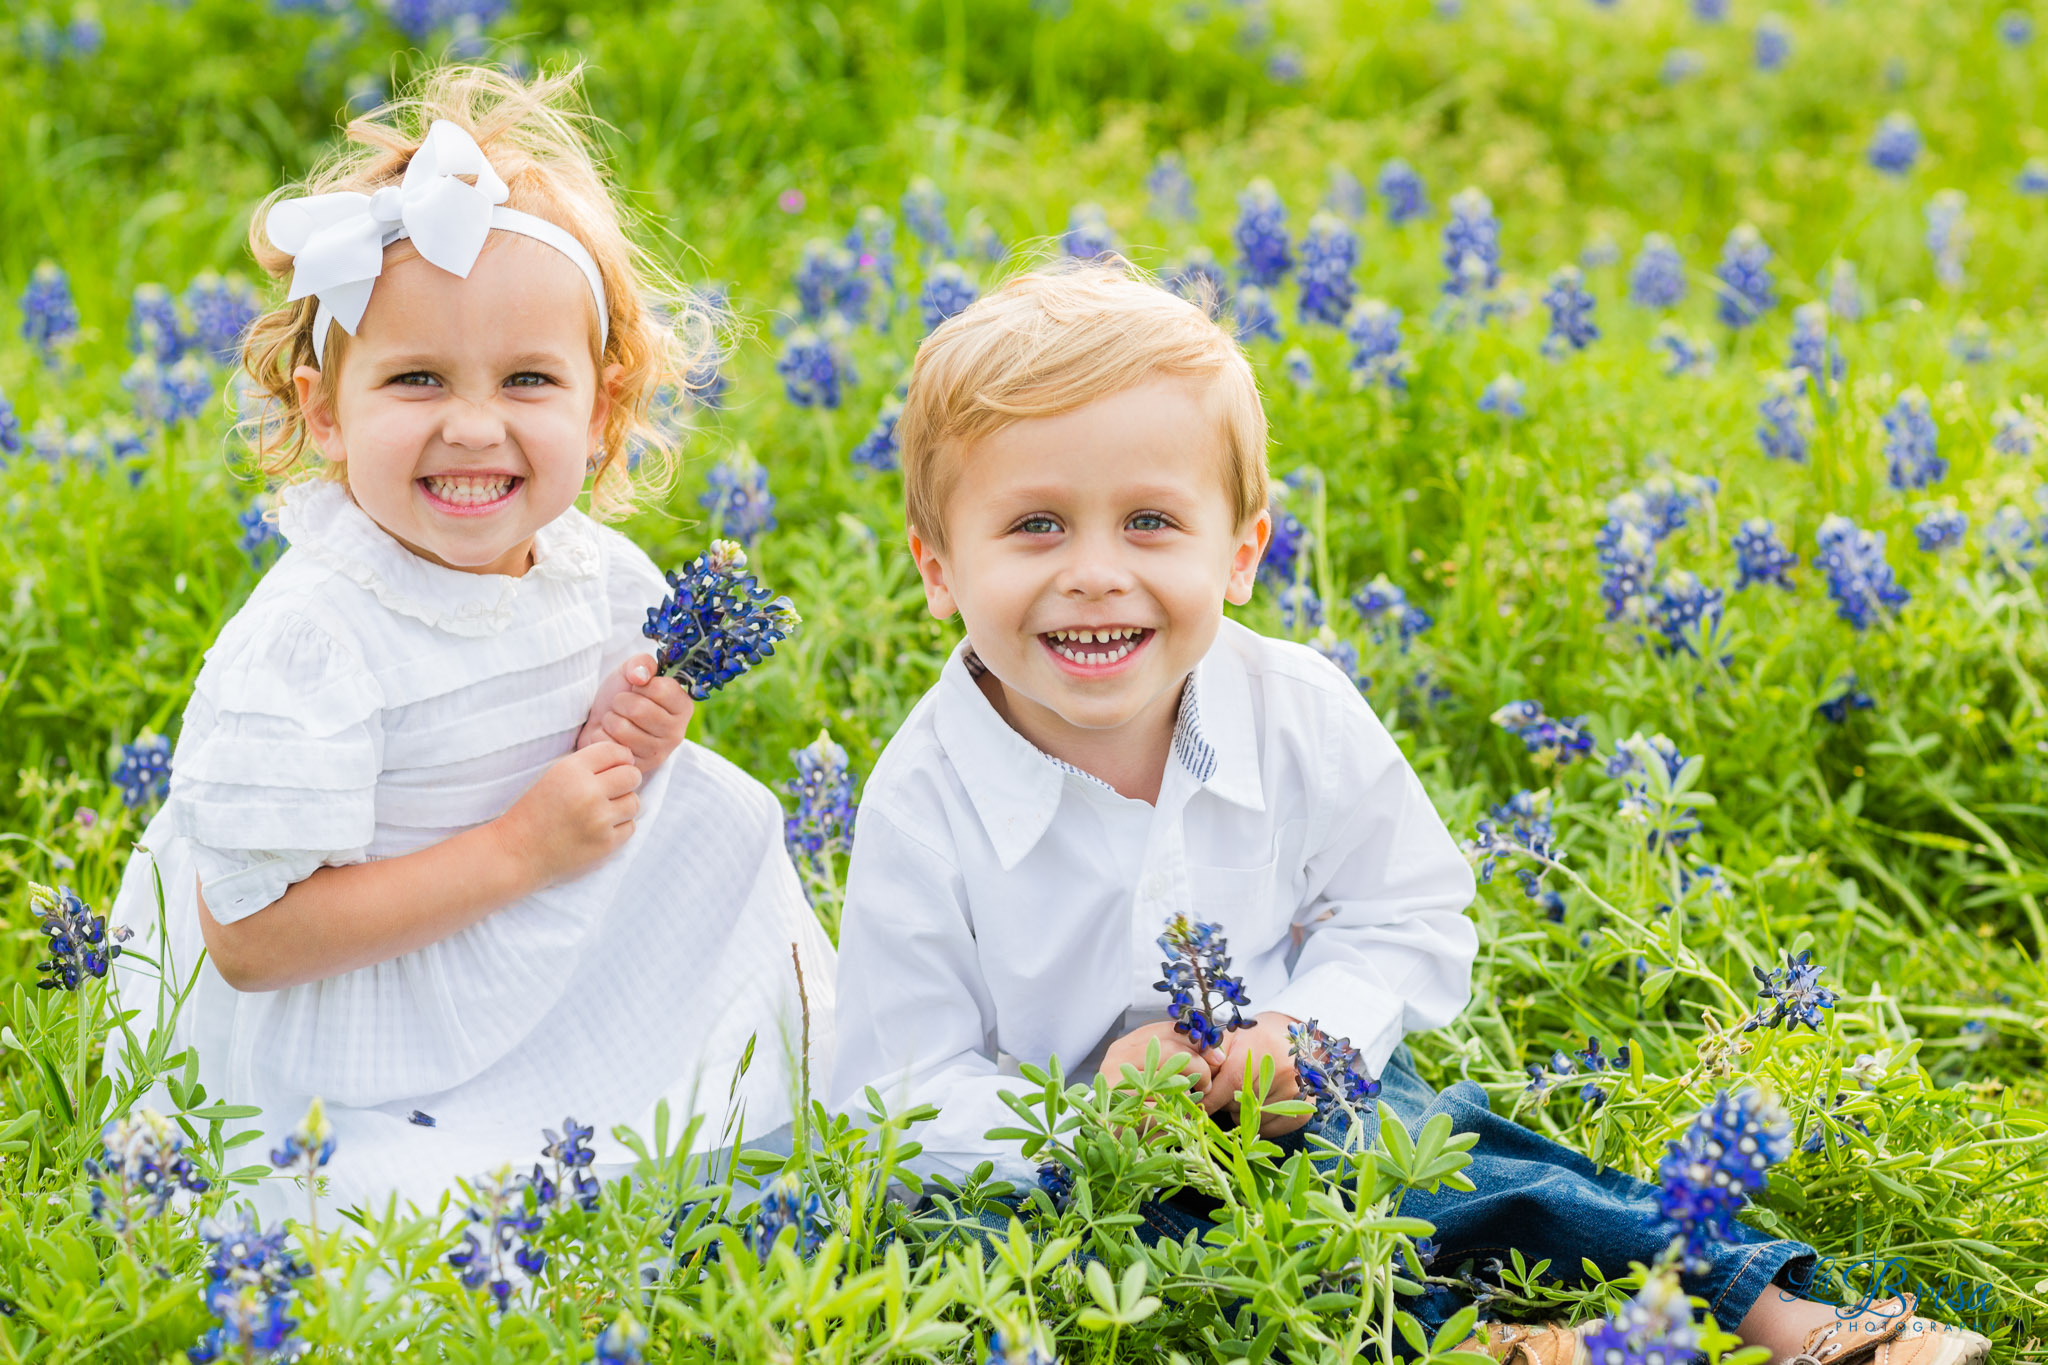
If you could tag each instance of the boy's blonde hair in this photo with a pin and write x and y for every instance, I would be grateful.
(1050, 341)
(659, 329)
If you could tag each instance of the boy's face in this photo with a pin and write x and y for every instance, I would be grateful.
(1111, 520)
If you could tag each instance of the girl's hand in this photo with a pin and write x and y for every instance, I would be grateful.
(1242, 1050)
(577, 814)
(641, 710)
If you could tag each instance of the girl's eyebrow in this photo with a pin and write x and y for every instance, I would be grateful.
(423, 360)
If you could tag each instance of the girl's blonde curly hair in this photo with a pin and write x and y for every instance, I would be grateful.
(660, 330)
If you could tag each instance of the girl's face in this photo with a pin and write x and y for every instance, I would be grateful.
(467, 410)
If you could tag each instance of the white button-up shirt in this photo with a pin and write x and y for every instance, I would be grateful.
(1002, 905)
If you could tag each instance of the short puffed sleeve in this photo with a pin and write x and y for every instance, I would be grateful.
(633, 587)
(275, 771)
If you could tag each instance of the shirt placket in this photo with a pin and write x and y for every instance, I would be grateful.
(1162, 889)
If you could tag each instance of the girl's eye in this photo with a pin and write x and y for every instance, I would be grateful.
(1037, 524)
(1149, 521)
(529, 374)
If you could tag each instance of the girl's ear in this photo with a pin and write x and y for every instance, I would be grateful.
(1244, 560)
(320, 423)
(601, 407)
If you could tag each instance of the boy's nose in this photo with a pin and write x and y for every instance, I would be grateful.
(1093, 573)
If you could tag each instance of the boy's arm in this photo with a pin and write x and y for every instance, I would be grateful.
(1389, 949)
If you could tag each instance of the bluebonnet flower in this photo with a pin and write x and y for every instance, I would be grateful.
(1948, 236)
(1896, 144)
(1971, 341)
(620, 1342)
(2033, 177)
(1595, 1061)
(1571, 312)
(1300, 367)
(705, 382)
(1300, 606)
(879, 449)
(1342, 653)
(2013, 432)
(420, 1118)
(1265, 250)
(1685, 610)
(1795, 994)
(787, 1205)
(10, 428)
(1938, 531)
(1847, 697)
(144, 772)
(1599, 253)
(738, 499)
(872, 240)
(498, 1209)
(1201, 281)
(1911, 443)
(717, 621)
(49, 317)
(822, 823)
(815, 367)
(566, 1179)
(140, 1166)
(1710, 11)
(1550, 740)
(1195, 977)
(1329, 253)
(1785, 418)
(221, 308)
(1653, 1328)
(1331, 1073)
(124, 444)
(985, 242)
(1284, 64)
(1289, 542)
(1560, 1061)
(1346, 196)
(1760, 557)
(154, 327)
(1684, 352)
(310, 1145)
(924, 209)
(947, 290)
(2011, 541)
(1747, 287)
(364, 91)
(2016, 28)
(1680, 64)
(1503, 397)
(1385, 609)
(187, 387)
(1515, 831)
(1813, 349)
(1831, 1126)
(1773, 43)
(1171, 192)
(1634, 761)
(1627, 553)
(1402, 192)
(1256, 316)
(1471, 245)
(829, 280)
(1088, 237)
(1709, 1173)
(1859, 579)
(144, 381)
(1373, 328)
(1657, 278)
(1057, 1182)
(249, 1291)
(1024, 1350)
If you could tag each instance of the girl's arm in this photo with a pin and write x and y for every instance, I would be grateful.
(343, 918)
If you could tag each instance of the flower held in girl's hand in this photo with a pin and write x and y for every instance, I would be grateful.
(717, 621)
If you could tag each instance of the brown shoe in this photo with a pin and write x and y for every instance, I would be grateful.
(1523, 1343)
(1887, 1333)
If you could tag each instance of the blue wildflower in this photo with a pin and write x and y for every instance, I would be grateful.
(1831, 1126)
(822, 823)
(985, 242)
(1896, 144)
(1057, 1182)
(1283, 562)
(738, 499)
(310, 1145)
(1201, 281)
(1938, 531)
(1256, 316)
(1197, 983)
(1684, 352)
(1845, 697)
(187, 388)
(1760, 557)
(1911, 443)
(1024, 1350)
(879, 449)
(1332, 1074)
(1795, 994)
(1710, 11)
(1653, 1328)
(1971, 341)
(2033, 177)
(1595, 1062)
(620, 1342)
(1402, 192)
(1088, 237)
(1709, 1173)
(1471, 245)
(924, 209)
(2016, 28)
(1172, 193)
(80, 944)
(1299, 606)
(1599, 253)
(1845, 291)
(498, 1208)
(1680, 64)
(1265, 251)
(1284, 64)
(2011, 541)
(1329, 253)
(1342, 653)
(249, 1277)
(154, 327)
(1813, 349)
(10, 428)
(141, 1164)
(1503, 397)
(1773, 47)
(2013, 432)
(1300, 367)
(1571, 312)
(1374, 330)
(144, 772)
(1657, 278)
(1387, 613)
(1859, 579)
(1635, 759)
(566, 1179)
(947, 290)
(221, 308)
(815, 367)
(1747, 287)
(1785, 418)
(787, 1206)
(49, 317)
(1948, 236)
(717, 621)
(829, 280)
(1346, 195)
(872, 240)
(1516, 831)
(1550, 740)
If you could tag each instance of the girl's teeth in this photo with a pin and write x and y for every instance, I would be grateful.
(469, 490)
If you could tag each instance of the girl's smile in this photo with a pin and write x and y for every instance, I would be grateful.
(470, 493)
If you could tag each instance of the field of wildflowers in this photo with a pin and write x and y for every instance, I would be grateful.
(1658, 386)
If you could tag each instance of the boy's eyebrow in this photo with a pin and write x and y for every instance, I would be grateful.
(1053, 492)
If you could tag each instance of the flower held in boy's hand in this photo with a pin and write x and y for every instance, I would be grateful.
(1197, 982)
(717, 621)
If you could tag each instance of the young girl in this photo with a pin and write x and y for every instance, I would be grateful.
(432, 816)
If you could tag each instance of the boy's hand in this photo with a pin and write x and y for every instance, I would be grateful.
(1242, 1050)
(640, 709)
(1201, 1068)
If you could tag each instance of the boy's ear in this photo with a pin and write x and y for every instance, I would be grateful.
(320, 423)
(938, 597)
(1244, 560)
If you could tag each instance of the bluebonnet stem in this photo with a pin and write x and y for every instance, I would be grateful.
(1332, 1074)
(80, 944)
(2012, 542)
(1471, 245)
(1196, 979)
(1912, 443)
(1171, 192)
(787, 1205)
(1747, 289)
(1290, 540)
(815, 367)
(1657, 278)
(221, 309)
(1201, 281)
(1385, 609)
(1794, 993)
(924, 210)
(154, 327)
(1346, 195)
(620, 1342)
(1265, 250)
(1707, 1175)
(1948, 236)
(498, 1210)
(1684, 611)
(1939, 530)
(1813, 349)
(1401, 191)
(144, 772)
(822, 823)
(1329, 253)
(829, 280)
(1571, 312)
(1848, 696)
(1300, 607)
(872, 240)
(1342, 653)
(738, 499)
(2016, 28)
(1652, 771)
(1684, 352)
(310, 1145)
(717, 621)
(1859, 578)
(1373, 328)
(1503, 397)
(1773, 45)
(141, 1165)
(249, 1277)
(1088, 237)
(1550, 740)
(1018, 1348)
(1680, 64)
(1760, 557)
(2033, 177)
(879, 450)
(10, 428)
(49, 317)
(1653, 1328)
(1845, 291)
(947, 290)
(566, 1178)
(1896, 144)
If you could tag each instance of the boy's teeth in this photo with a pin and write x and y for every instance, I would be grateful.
(1080, 645)
(1100, 637)
(468, 488)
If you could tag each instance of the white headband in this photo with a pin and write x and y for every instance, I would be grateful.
(337, 240)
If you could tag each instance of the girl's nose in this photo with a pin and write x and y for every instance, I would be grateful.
(472, 425)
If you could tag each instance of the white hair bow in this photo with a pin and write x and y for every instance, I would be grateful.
(337, 240)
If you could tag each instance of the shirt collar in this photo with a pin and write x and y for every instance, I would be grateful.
(1015, 786)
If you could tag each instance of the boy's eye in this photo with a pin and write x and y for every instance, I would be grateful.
(1037, 524)
(1149, 521)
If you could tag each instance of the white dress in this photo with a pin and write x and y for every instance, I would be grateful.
(366, 703)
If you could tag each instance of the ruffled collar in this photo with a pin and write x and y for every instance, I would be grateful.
(321, 520)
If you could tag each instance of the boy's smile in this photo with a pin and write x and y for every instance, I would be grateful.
(1089, 555)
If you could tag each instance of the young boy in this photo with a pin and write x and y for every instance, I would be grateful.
(1085, 479)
